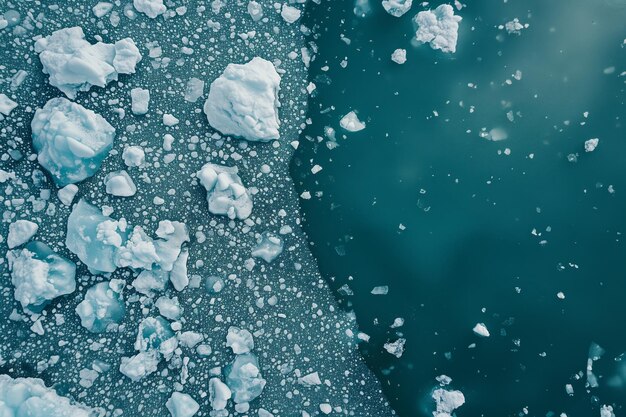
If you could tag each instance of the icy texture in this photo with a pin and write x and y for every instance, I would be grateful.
(182, 405)
(243, 101)
(39, 275)
(219, 394)
(351, 122)
(29, 397)
(268, 248)
(71, 141)
(103, 305)
(6, 105)
(76, 65)
(438, 27)
(244, 378)
(151, 8)
(447, 401)
(239, 340)
(226, 194)
(397, 7)
(140, 99)
(20, 232)
(120, 184)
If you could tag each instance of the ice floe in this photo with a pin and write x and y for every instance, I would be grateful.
(226, 194)
(102, 306)
(438, 27)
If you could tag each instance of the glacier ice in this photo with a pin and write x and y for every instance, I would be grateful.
(39, 275)
(29, 397)
(397, 7)
(76, 65)
(239, 340)
(102, 306)
(438, 27)
(71, 141)
(20, 232)
(226, 194)
(151, 8)
(120, 184)
(244, 379)
(243, 101)
(182, 405)
(268, 247)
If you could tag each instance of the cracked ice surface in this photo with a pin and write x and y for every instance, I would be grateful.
(185, 275)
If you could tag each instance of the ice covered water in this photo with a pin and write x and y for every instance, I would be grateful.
(165, 220)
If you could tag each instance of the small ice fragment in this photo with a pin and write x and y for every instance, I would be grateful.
(397, 322)
(182, 405)
(447, 401)
(151, 8)
(101, 9)
(326, 408)
(194, 90)
(591, 144)
(397, 7)
(226, 195)
(481, 330)
(133, 156)
(310, 380)
(290, 14)
(169, 120)
(178, 275)
(140, 365)
(351, 122)
(395, 348)
(219, 394)
(268, 248)
(399, 56)
(438, 27)
(102, 306)
(255, 10)
(380, 290)
(169, 307)
(607, 411)
(20, 232)
(6, 104)
(140, 99)
(66, 194)
(244, 379)
(119, 184)
(514, 27)
(239, 340)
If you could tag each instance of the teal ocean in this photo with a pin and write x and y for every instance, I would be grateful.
(523, 234)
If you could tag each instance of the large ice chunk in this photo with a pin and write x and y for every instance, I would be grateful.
(71, 140)
(182, 405)
(76, 65)
(40, 275)
(243, 101)
(29, 397)
(94, 238)
(244, 378)
(438, 27)
(103, 305)
(20, 232)
(397, 7)
(447, 401)
(142, 364)
(226, 194)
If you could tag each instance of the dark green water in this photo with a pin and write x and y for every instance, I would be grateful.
(468, 253)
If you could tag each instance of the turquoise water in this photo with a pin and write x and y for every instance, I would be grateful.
(469, 206)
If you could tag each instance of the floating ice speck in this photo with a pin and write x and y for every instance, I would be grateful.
(290, 14)
(395, 348)
(134, 156)
(243, 101)
(39, 275)
(219, 394)
(351, 122)
(151, 8)
(591, 144)
(268, 248)
(76, 65)
(447, 401)
(140, 99)
(119, 184)
(399, 56)
(226, 194)
(481, 330)
(20, 232)
(397, 7)
(239, 340)
(6, 105)
(21, 397)
(438, 27)
(182, 405)
(71, 141)
(102, 306)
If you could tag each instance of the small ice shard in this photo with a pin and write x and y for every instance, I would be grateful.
(151, 8)
(119, 184)
(169, 120)
(607, 411)
(399, 56)
(29, 397)
(138, 366)
(189, 339)
(239, 340)
(178, 275)
(76, 65)
(351, 122)
(397, 7)
(20, 232)
(395, 348)
(71, 141)
(439, 28)
(291, 14)
(148, 282)
(102, 306)
(214, 284)
(255, 10)
(591, 144)
(310, 380)
(268, 247)
(133, 156)
(226, 194)
(101, 9)
(140, 99)
(155, 333)
(138, 252)
(169, 307)
(219, 394)
(39, 275)
(182, 405)
(66, 194)
(244, 378)
(446, 402)
(94, 238)
(6, 105)
(380, 290)
(326, 408)
(194, 90)
(171, 235)
(514, 27)
(243, 101)
(481, 330)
